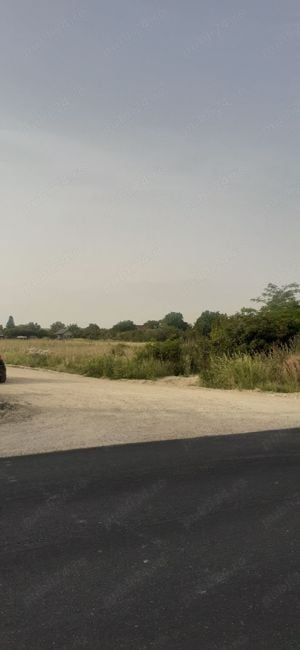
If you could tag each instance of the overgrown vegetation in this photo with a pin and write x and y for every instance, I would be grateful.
(277, 371)
(254, 348)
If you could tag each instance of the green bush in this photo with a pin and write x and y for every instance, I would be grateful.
(166, 352)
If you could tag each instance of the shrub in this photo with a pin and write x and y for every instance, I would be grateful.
(166, 352)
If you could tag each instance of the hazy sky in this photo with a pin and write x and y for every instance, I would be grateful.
(149, 156)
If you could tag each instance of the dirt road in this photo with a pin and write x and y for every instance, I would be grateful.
(49, 411)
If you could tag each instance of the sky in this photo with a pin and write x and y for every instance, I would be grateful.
(149, 155)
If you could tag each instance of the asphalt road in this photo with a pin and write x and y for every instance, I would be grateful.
(183, 545)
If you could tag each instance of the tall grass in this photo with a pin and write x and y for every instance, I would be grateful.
(134, 368)
(19, 351)
(90, 358)
(277, 371)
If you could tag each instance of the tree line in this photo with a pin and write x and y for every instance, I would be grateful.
(274, 321)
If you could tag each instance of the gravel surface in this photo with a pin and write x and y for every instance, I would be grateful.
(58, 411)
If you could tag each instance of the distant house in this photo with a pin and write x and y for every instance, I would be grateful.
(63, 334)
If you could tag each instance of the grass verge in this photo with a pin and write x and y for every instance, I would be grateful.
(278, 371)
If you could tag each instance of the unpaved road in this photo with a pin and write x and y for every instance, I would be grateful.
(57, 411)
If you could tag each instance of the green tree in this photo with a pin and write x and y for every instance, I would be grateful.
(55, 327)
(253, 330)
(10, 323)
(93, 331)
(174, 319)
(205, 323)
(274, 296)
(28, 329)
(75, 330)
(151, 324)
(123, 326)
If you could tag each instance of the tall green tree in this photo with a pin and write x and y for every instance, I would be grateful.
(275, 296)
(10, 323)
(205, 323)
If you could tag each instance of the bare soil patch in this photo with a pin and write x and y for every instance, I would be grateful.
(51, 411)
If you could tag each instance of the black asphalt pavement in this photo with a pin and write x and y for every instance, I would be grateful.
(181, 545)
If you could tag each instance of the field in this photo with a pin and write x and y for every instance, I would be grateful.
(78, 355)
(15, 350)
(278, 371)
(112, 359)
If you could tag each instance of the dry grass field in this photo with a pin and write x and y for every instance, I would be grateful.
(76, 355)
(14, 350)
(278, 371)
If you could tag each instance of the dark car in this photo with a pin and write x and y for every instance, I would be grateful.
(2, 371)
